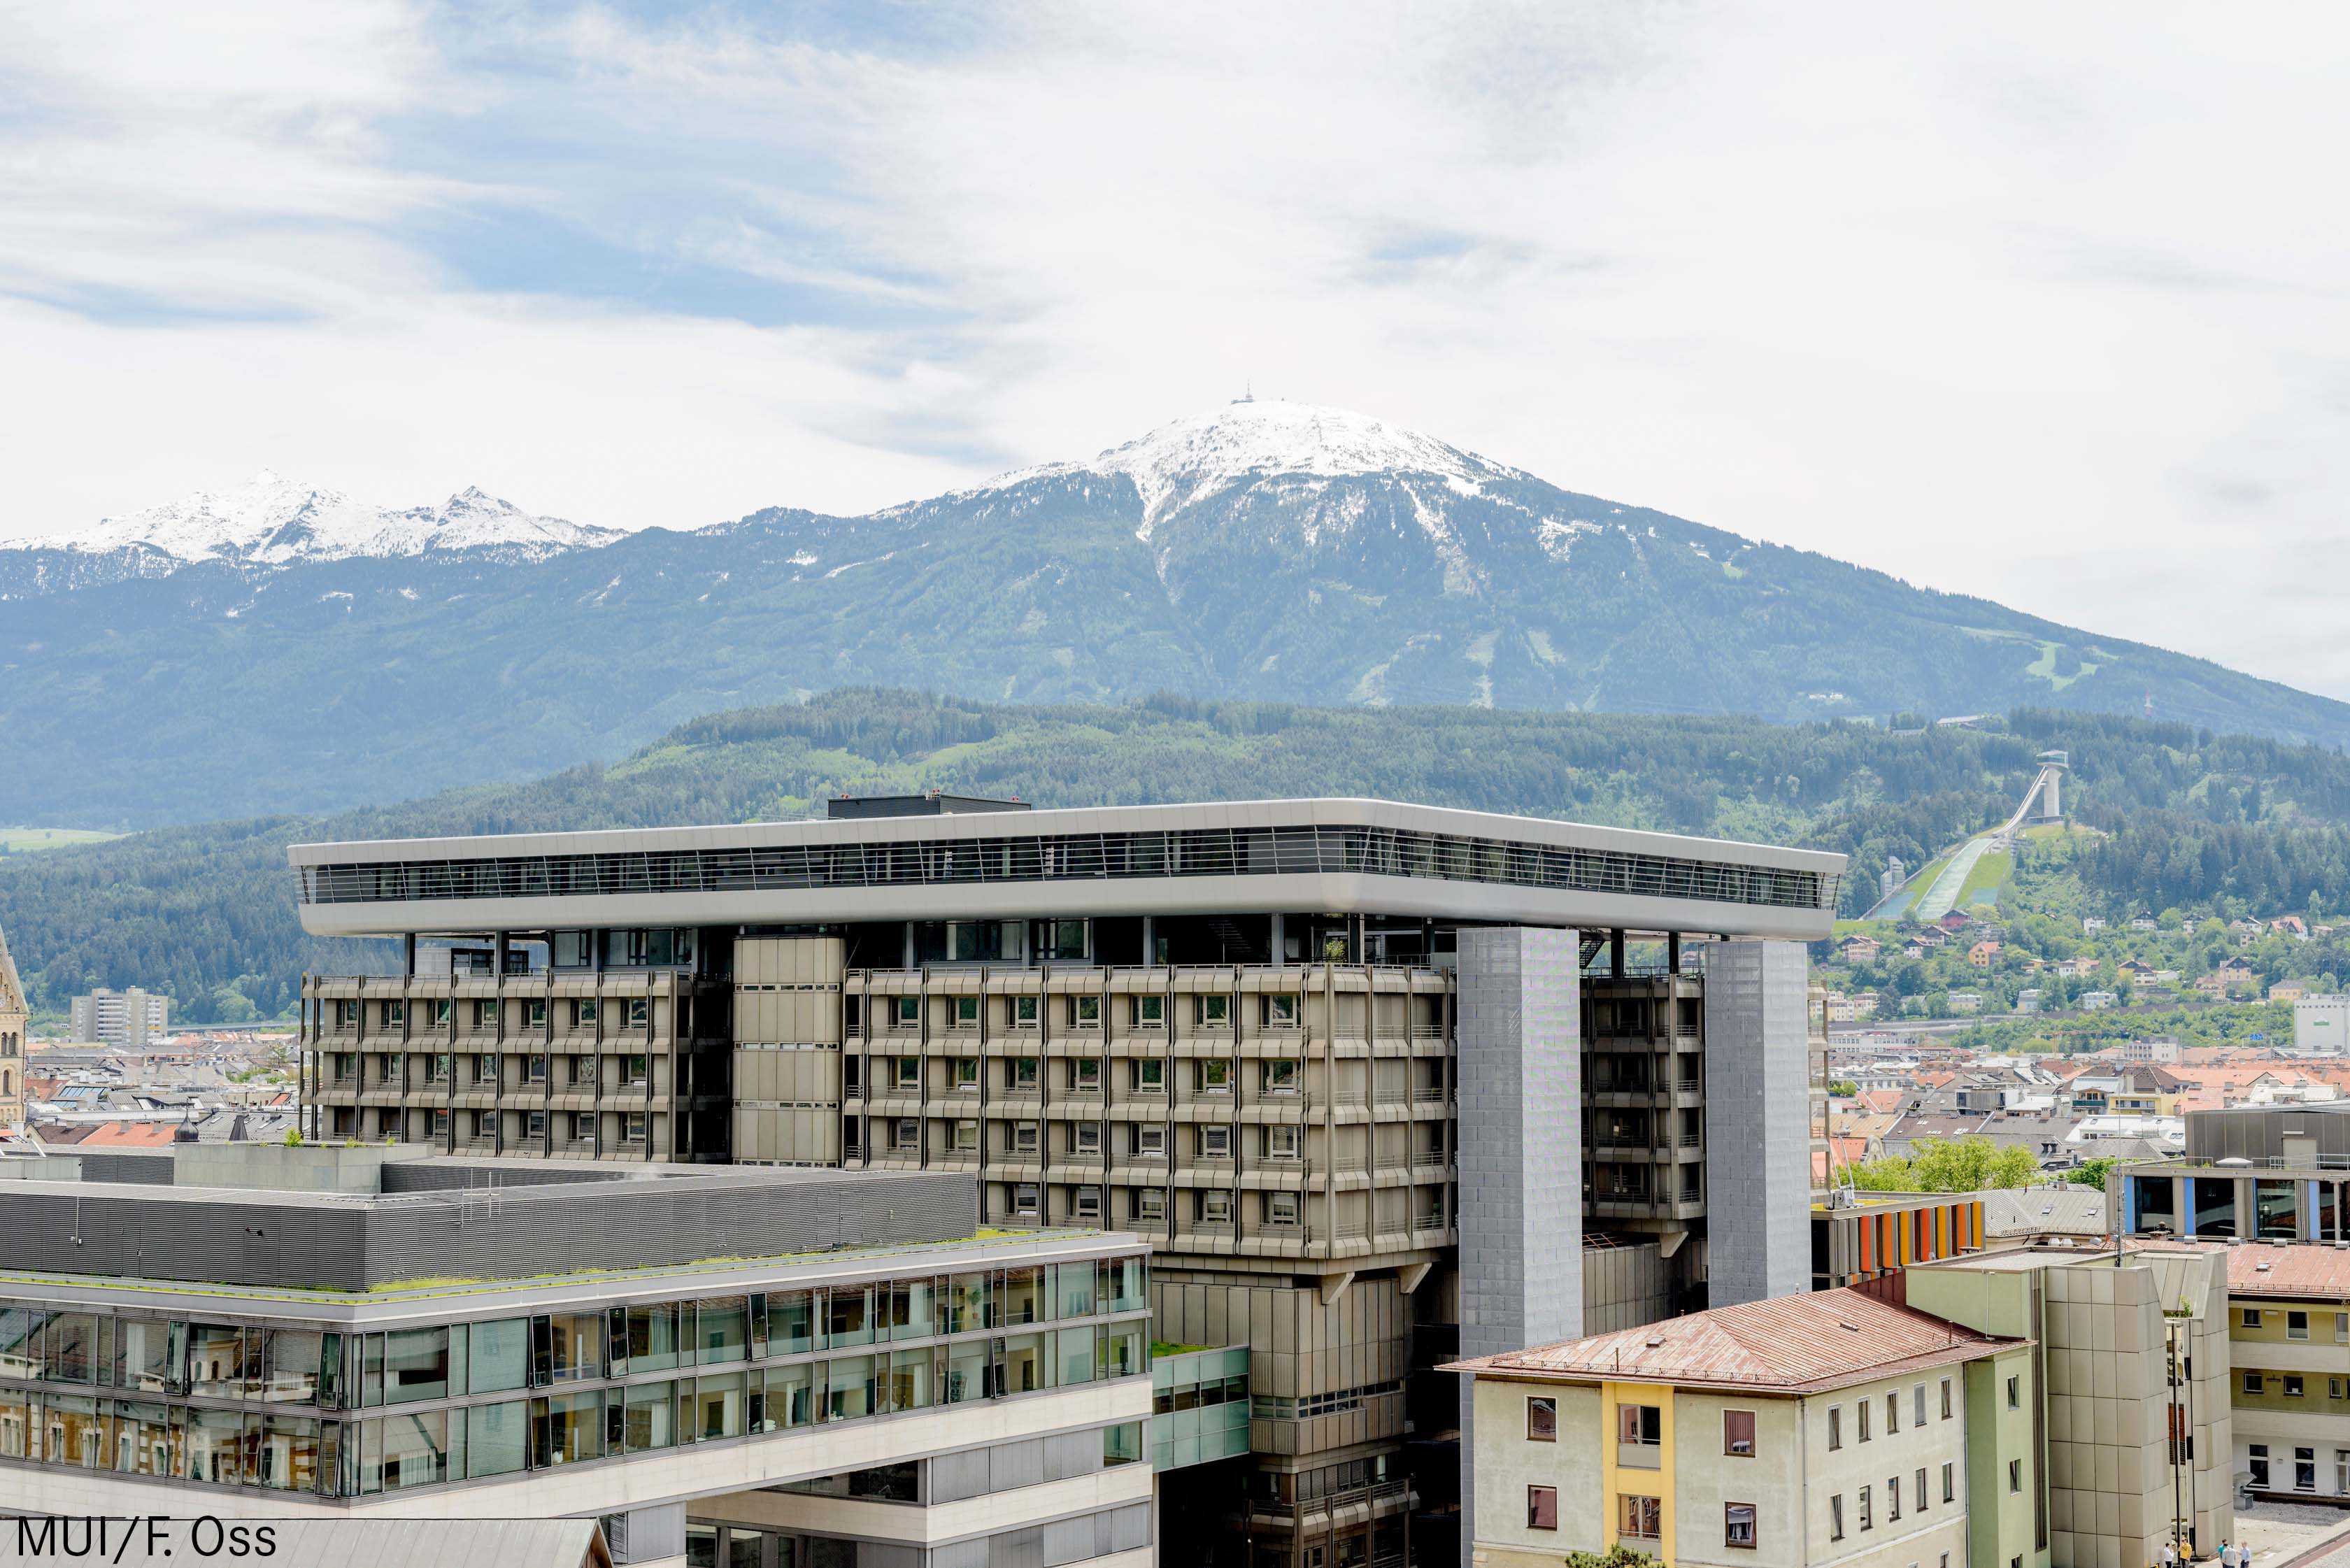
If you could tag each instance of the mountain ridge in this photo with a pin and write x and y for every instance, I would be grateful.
(1263, 551)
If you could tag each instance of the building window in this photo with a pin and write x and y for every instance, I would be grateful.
(1921, 1489)
(395, 1014)
(1738, 1435)
(1213, 1205)
(1024, 1198)
(1949, 1482)
(536, 1013)
(1280, 1208)
(1084, 1074)
(1085, 1011)
(1020, 1073)
(1918, 1406)
(2342, 1328)
(1861, 1410)
(1279, 1077)
(441, 1124)
(1282, 1142)
(1639, 1518)
(966, 1073)
(2304, 1470)
(2252, 1382)
(1149, 1012)
(582, 1127)
(632, 1126)
(1836, 1517)
(1835, 1427)
(1892, 1414)
(1148, 1078)
(2256, 1459)
(1867, 1523)
(1089, 1203)
(2293, 1389)
(1213, 1011)
(1150, 1203)
(1215, 1143)
(907, 1011)
(536, 1067)
(1215, 1077)
(1946, 1398)
(1738, 1525)
(583, 1071)
(1542, 1508)
(1151, 1141)
(2252, 1318)
(909, 1071)
(1023, 1012)
(1281, 1011)
(1085, 1137)
(1021, 1138)
(1640, 1425)
(1542, 1420)
(1892, 1498)
(966, 1133)
(534, 1123)
(2014, 1477)
(2015, 1393)
(908, 1134)
(640, 1012)
(966, 1012)
(2296, 1325)
(2342, 1472)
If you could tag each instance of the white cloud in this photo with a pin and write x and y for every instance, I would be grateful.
(2041, 305)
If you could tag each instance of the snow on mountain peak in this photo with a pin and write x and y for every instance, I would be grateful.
(1194, 458)
(272, 520)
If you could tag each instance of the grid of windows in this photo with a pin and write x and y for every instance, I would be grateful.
(305, 1409)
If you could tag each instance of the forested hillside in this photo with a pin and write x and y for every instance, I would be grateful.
(206, 913)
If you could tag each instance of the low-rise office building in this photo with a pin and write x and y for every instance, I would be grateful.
(2249, 1172)
(756, 1368)
(2289, 1384)
(1364, 1073)
(1826, 1428)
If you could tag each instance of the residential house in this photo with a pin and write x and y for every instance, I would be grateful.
(1964, 1001)
(2288, 990)
(2142, 923)
(1981, 954)
(2095, 1000)
(2093, 922)
(2028, 1001)
(2291, 926)
(1857, 949)
(1821, 1428)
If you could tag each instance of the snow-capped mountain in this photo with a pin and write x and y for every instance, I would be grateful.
(1267, 552)
(273, 520)
(1194, 459)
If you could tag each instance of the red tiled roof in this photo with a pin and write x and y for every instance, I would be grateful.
(130, 1135)
(1794, 1345)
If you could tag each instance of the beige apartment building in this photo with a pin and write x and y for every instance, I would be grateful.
(1830, 1428)
(1365, 1074)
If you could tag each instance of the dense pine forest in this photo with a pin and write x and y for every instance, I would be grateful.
(2214, 823)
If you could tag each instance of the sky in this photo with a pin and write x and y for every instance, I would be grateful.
(2043, 304)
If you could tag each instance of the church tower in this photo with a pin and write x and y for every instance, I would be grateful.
(12, 1022)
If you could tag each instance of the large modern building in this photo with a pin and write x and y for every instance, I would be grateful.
(1366, 1075)
(2276, 1173)
(125, 1020)
(759, 1369)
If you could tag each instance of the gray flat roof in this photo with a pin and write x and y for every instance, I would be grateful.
(1352, 856)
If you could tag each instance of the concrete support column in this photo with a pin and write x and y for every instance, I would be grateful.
(1519, 1044)
(1758, 1121)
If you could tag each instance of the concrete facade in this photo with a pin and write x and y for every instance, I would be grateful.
(1521, 1161)
(1759, 1160)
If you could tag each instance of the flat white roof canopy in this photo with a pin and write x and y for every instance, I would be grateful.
(1337, 855)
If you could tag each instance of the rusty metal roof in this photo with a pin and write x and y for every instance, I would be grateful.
(1804, 1344)
(2301, 1269)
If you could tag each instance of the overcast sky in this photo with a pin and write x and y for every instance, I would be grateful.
(2042, 303)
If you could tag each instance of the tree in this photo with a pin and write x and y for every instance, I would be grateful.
(2092, 1172)
(1843, 1088)
(1953, 1165)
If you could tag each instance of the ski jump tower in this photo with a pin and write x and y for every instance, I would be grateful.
(2044, 801)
